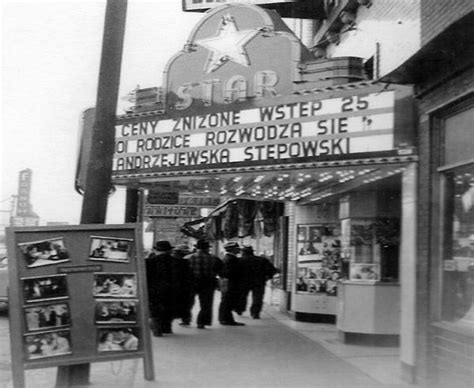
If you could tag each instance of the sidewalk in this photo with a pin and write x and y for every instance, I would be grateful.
(275, 351)
(381, 363)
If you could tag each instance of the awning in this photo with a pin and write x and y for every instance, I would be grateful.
(443, 52)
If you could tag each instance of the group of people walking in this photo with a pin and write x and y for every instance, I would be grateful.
(175, 277)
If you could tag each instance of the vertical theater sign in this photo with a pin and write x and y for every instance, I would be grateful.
(244, 92)
(24, 210)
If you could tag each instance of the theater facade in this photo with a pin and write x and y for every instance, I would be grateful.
(311, 162)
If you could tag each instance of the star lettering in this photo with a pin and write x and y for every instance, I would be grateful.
(227, 45)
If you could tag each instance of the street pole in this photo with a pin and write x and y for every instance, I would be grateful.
(99, 170)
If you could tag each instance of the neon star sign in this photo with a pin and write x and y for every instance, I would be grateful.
(227, 45)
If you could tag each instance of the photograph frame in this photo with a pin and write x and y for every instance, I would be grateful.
(113, 339)
(47, 344)
(110, 249)
(40, 253)
(368, 272)
(301, 233)
(114, 311)
(115, 285)
(43, 288)
(41, 321)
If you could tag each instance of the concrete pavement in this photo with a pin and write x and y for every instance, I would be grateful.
(272, 352)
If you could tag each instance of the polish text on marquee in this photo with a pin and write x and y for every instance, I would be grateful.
(305, 129)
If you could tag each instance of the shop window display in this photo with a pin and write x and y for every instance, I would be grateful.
(458, 263)
(371, 248)
(319, 258)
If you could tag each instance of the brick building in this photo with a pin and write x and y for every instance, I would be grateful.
(442, 72)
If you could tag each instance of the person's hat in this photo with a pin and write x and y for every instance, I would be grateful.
(247, 249)
(202, 244)
(230, 245)
(163, 246)
(181, 248)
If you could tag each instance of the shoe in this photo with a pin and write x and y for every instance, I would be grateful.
(157, 334)
(167, 332)
(255, 316)
(201, 326)
(232, 323)
(184, 324)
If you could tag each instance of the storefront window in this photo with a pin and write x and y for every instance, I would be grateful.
(458, 263)
(371, 246)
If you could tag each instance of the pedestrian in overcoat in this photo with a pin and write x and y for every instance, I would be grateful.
(259, 270)
(205, 268)
(232, 273)
(159, 273)
(182, 291)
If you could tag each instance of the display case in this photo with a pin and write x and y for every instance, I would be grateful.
(369, 249)
(369, 295)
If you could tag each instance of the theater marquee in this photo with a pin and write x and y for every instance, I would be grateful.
(305, 129)
(245, 93)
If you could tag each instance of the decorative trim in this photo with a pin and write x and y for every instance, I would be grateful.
(275, 167)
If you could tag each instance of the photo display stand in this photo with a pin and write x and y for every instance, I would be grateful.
(77, 295)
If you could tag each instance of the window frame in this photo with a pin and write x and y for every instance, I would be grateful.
(439, 197)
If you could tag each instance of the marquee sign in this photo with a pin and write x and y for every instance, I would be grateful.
(306, 129)
(195, 5)
(244, 92)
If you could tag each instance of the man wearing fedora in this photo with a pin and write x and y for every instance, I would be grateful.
(204, 271)
(159, 274)
(230, 295)
(258, 270)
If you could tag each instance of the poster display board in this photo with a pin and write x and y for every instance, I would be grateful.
(319, 258)
(77, 295)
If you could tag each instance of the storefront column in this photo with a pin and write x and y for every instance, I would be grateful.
(408, 272)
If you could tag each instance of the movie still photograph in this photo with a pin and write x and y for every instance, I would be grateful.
(45, 252)
(116, 311)
(41, 345)
(50, 316)
(122, 339)
(110, 249)
(44, 288)
(115, 285)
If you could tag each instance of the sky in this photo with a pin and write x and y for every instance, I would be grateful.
(50, 65)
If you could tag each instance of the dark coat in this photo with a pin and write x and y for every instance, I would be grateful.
(257, 269)
(159, 274)
(181, 286)
(232, 271)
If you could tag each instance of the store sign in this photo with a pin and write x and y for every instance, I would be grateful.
(195, 5)
(24, 189)
(199, 201)
(163, 197)
(306, 129)
(171, 211)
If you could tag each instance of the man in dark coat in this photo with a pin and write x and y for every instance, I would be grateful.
(182, 284)
(159, 273)
(259, 270)
(232, 273)
(204, 271)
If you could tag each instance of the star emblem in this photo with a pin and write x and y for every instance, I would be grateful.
(227, 45)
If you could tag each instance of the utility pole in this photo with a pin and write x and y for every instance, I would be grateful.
(98, 180)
